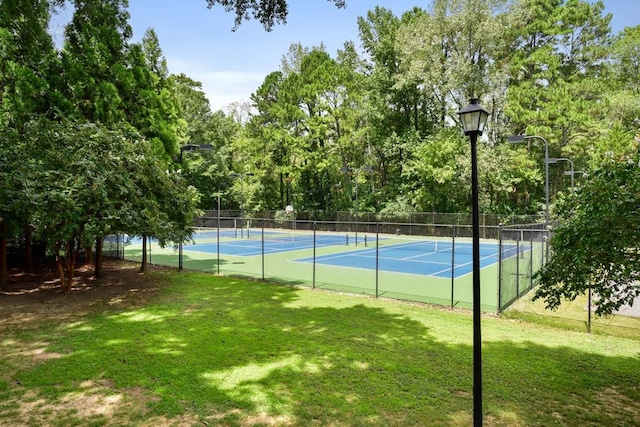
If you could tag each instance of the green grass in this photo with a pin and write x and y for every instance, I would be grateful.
(213, 350)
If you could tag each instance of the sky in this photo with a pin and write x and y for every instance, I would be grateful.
(200, 43)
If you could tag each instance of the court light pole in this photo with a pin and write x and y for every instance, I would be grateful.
(554, 160)
(515, 139)
(357, 171)
(474, 119)
(189, 147)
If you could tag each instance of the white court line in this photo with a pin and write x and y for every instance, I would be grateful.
(372, 256)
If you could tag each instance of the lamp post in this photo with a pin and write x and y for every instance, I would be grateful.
(189, 147)
(521, 138)
(357, 171)
(554, 160)
(474, 118)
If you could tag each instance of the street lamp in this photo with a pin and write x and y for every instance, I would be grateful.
(521, 138)
(554, 160)
(474, 119)
(357, 171)
(189, 147)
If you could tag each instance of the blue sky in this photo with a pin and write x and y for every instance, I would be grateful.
(231, 65)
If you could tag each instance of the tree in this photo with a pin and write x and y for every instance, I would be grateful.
(205, 170)
(150, 98)
(597, 244)
(27, 61)
(95, 60)
(87, 180)
(624, 101)
(29, 70)
(396, 110)
(267, 12)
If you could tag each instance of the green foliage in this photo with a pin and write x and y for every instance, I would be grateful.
(596, 244)
(84, 181)
(268, 13)
(27, 62)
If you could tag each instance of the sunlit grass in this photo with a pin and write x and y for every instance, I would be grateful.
(214, 350)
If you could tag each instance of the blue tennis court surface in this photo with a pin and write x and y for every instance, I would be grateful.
(401, 255)
(424, 258)
(237, 243)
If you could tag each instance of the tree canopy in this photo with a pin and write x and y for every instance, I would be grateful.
(266, 12)
(596, 245)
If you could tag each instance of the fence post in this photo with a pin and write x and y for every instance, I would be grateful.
(517, 265)
(530, 260)
(453, 260)
(313, 281)
(218, 243)
(589, 310)
(500, 226)
(377, 251)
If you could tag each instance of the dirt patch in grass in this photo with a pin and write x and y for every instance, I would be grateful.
(38, 297)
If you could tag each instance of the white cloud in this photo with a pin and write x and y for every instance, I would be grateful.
(221, 87)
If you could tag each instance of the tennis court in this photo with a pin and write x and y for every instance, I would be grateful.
(247, 242)
(426, 268)
(400, 255)
(425, 257)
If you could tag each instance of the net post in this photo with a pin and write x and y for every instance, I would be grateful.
(262, 239)
(347, 235)
(365, 240)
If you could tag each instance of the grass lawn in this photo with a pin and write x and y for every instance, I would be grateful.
(181, 348)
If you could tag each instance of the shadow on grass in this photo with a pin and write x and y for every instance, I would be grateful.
(227, 351)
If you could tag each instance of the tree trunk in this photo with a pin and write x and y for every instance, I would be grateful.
(88, 255)
(60, 266)
(143, 266)
(4, 273)
(97, 270)
(28, 248)
(66, 265)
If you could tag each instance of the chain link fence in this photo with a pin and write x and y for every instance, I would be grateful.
(508, 285)
(409, 261)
